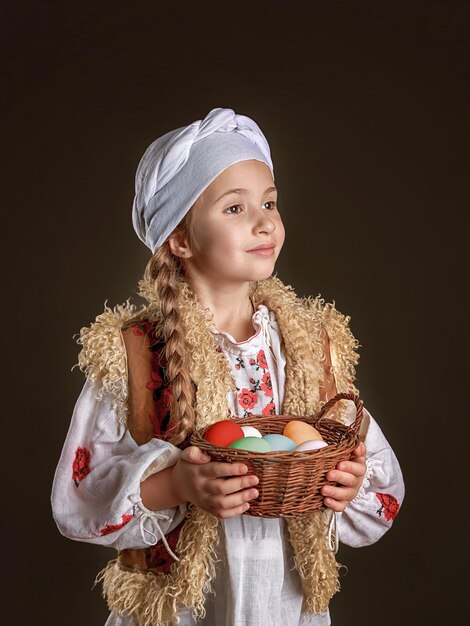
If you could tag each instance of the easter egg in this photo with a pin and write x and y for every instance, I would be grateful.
(252, 444)
(250, 431)
(279, 443)
(313, 444)
(223, 433)
(300, 431)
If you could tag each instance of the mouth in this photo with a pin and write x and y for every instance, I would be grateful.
(265, 249)
(263, 246)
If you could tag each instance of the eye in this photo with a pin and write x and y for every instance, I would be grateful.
(229, 209)
(272, 205)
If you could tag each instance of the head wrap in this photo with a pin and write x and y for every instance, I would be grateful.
(177, 167)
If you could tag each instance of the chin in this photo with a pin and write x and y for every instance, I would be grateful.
(261, 275)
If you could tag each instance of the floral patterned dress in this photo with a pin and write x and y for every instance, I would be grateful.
(96, 493)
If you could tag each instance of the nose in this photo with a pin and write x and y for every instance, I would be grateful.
(263, 223)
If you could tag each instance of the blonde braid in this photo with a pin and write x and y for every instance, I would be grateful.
(163, 277)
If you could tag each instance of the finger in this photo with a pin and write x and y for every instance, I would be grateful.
(353, 459)
(346, 470)
(360, 451)
(238, 510)
(225, 486)
(340, 494)
(192, 454)
(334, 505)
(346, 479)
(353, 472)
(355, 466)
(218, 469)
(225, 503)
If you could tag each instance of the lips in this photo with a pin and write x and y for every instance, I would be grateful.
(263, 246)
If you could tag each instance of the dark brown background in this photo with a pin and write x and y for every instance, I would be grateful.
(364, 107)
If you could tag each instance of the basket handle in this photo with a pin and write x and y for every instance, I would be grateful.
(349, 395)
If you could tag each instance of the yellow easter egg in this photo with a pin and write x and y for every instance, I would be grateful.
(300, 431)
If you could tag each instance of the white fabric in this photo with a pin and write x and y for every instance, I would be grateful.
(256, 584)
(117, 465)
(177, 167)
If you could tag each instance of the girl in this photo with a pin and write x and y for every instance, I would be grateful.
(220, 336)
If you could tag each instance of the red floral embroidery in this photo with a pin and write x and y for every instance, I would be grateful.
(263, 364)
(110, 528)
(143, 329)
(267, 385)
(81, 465)
(390, 506)
(247, 399)
(160, 389)
(156, 381)
(269, 409)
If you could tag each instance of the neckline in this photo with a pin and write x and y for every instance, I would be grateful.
(257, 328)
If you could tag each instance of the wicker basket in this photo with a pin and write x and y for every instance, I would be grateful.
(290, 482)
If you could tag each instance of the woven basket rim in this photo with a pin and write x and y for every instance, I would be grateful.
(349, 436)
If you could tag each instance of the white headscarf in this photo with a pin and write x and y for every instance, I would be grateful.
(177, 167)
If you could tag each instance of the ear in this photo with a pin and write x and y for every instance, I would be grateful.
(179, 245)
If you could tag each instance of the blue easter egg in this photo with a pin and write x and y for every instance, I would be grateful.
(280, 443)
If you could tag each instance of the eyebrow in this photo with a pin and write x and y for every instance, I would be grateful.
(241, 190)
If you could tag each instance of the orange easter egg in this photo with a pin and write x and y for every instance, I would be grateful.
(300, 431)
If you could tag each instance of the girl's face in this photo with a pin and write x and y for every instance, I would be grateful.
(236, 214)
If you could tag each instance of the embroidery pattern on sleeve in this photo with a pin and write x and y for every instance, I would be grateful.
(80, 465)
(389, 506)
(110, 528)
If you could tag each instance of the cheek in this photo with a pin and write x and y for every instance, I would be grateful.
(281, 234)
(217, 244)
(229, 239)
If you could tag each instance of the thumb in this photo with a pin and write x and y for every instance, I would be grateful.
(195, 455)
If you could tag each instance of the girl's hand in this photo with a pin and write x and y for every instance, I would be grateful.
(349, 475)
(222, 489)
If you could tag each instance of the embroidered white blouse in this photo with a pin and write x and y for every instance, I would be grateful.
(96, 494)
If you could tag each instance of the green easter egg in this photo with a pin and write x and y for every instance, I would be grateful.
(251, 444)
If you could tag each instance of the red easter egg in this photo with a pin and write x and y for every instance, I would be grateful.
(223, 433)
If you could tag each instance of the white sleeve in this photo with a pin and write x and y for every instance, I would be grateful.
(378, 501)
(96, 489)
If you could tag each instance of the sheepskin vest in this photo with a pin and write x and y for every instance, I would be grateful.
(154, 596)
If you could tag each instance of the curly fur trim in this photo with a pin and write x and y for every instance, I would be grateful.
(297, 327)
(156, 599)
(209, 368)
(315, 562)
(343, 345)
(103, 355)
